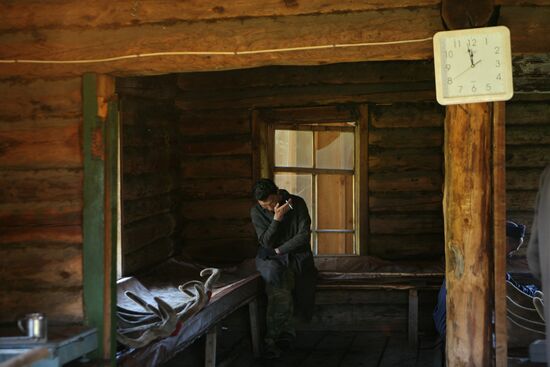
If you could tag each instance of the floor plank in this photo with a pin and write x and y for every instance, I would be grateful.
(366, 350)
(398, 353)
(325, 349)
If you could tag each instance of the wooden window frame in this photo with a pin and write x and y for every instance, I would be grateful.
(264, 122)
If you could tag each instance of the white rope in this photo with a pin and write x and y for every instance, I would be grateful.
(524, 319)
(520, 306)
(211, 53)
(525, 327)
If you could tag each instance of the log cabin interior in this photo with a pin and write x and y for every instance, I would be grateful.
(131, 134)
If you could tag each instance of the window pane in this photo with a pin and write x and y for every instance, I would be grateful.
(335, 149)
(335, 202)
(293, 148)
(334, 243)
(296, 184)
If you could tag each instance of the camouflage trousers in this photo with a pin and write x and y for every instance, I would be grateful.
(280, 307)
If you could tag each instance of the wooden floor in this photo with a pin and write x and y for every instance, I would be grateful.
(348, 349)
(319, 349)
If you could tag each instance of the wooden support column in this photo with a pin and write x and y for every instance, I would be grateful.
(413, 318)
(100, 134)
(210, 348)
(467, 213)
(499, 234)
(474, 212)
(254, 327)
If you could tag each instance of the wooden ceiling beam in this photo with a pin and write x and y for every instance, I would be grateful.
(228, 36)
(36, 14)
(528, 27)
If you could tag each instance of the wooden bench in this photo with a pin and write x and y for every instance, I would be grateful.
(411, 283)
(223, 303)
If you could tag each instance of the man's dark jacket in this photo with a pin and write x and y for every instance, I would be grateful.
(292, 237)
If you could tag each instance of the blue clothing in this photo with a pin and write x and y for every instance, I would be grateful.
(529, 289)
(440, 311)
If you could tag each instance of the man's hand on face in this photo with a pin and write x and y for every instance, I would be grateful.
(281, 210)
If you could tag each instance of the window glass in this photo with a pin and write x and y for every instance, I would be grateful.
(316, 161)
(334, 149)
(293, 148)
(297, 184)
(335, 201)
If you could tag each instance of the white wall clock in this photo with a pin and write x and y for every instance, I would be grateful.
(473, 65)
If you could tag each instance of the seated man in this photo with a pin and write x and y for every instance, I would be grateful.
(284, 260)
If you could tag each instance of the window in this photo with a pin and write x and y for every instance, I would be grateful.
(317, 159)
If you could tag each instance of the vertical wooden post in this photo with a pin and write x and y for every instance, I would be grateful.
(362, 181)
(210, 349)
(467, 209)
(254, 327)
(499, 233)
(98, 217)
(413, 318)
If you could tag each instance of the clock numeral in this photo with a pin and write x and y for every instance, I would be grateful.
(460, 88)
(499, 77)
(497, 63)
(497, 50)
(449, 53)
(488, 87)
(449, 81)
(456, 43)
(472, 42)
(486, 42)
(447, 67)
(474, 89)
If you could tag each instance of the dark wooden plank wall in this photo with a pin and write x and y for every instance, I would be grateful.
(150, 151)
(527, 153)
(405, 180)
(216, 181)
(41, 198)
(405, 150)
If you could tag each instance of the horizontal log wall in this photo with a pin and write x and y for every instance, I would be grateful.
(41, 198)
(405, 180)
(405, 150)
(527, 153)
(150, 151)
(216, 178)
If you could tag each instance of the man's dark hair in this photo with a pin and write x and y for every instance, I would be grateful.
(263, 188)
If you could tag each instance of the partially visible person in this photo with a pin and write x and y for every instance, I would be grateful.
(284, 260)
(515, 234)
(538, 250)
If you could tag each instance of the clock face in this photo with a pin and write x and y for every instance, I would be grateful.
(473, 65)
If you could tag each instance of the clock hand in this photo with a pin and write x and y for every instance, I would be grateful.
(470, 67)
(471, 57)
